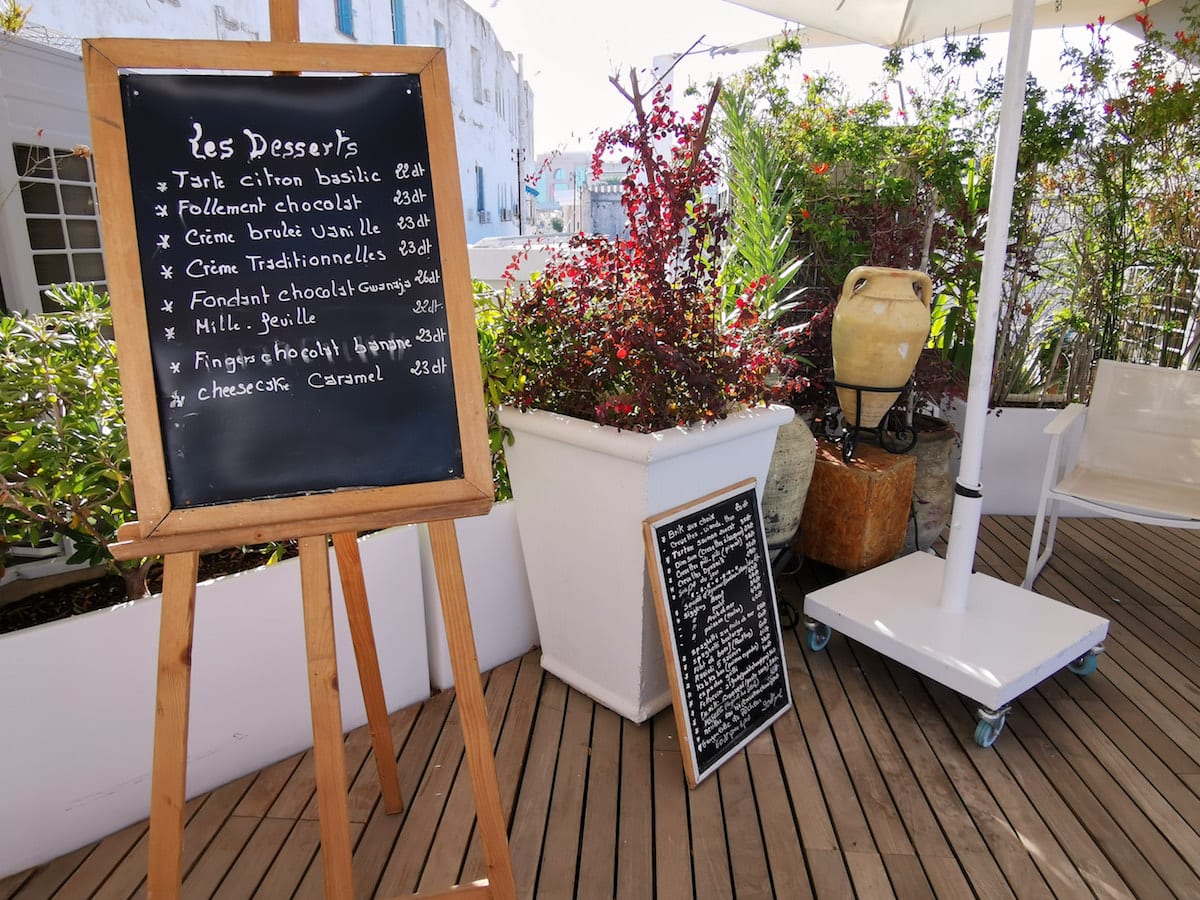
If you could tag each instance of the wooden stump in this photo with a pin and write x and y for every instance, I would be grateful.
(856, 514)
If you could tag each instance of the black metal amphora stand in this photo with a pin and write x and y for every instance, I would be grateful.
(900, 439)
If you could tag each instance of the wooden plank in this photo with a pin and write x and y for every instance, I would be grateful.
(807, 791)
(364, 793)
(362, 637)
(378, 839)
(129, 875)
(1124, 855)
(830, 876)
(601, 826)
(312, 884)
(169, 780)
(265, 839)
(636, 850)
(850, 824)
(1162, 836)
(99, 864)
(782, 843)
(45, 880)
(560, 853)
(929, 744)
(869, 875)
(206, 876)
(356, 749)
(710, 853)
(672, 844)
(749, 874)
(533, 799)
(267, 786)
(463, 661)
(444, 864)
(325, 701)
(403, 871)
(291, 862)
(515, 733)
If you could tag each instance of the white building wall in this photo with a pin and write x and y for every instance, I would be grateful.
(493, 114)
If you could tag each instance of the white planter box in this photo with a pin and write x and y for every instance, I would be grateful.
(497, 593)
(582, 493)
(77, 696)
(1014, 459)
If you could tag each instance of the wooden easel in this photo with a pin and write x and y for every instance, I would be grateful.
(174, 687)
(181, 532)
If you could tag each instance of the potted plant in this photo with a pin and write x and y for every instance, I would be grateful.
(629, 393)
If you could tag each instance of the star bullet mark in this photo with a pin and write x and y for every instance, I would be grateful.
(174, 368)
(168, 306)
(168, 272)
(169, 333)
(160, 210)
(162, 187)
(164, 242)
(176, 400)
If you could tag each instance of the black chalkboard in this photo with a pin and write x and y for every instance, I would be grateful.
(289, 256)
(720, 626)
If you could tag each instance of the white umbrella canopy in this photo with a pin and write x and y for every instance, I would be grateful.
(899, 23)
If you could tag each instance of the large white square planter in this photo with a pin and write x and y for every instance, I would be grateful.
(497, 593)
(1014, 458)
(77, 696)
(582, 492)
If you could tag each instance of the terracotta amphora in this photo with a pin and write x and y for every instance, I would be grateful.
(879, 327)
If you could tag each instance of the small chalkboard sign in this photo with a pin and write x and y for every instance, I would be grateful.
(711, 577)
(290, 287)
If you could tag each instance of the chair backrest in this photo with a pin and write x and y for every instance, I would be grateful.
(1144, 421)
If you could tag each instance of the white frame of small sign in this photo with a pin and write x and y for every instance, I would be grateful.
(683, 722)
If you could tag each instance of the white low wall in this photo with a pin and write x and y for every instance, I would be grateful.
(1014, 459)
(497, 593)
(77, 696)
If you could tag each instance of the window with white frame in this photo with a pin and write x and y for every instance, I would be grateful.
(58, 194)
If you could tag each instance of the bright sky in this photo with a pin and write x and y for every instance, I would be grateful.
(571, 47)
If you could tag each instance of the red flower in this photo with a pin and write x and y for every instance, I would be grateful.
(1144, 20)
(820, 168)
(1101, 20)
(622, 352)
(805, 213)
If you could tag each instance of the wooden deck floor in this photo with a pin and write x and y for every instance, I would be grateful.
(871, 788)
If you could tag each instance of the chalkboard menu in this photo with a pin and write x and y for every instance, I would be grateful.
(716, 607)
(289, 258)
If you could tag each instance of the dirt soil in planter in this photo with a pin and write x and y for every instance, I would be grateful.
(109, 590)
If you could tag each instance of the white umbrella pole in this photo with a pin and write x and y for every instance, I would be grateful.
(968, 501)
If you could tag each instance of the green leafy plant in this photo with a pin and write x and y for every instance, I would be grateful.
(497, 380)
(64, 459)
(631, 332)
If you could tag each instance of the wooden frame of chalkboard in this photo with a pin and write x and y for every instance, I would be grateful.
(274, 210)
(711, 576)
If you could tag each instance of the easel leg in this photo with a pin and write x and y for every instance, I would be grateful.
(477, 738)
(358, 613)
(169, 779)
(328, 751)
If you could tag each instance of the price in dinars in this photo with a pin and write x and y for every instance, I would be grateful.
(426, 307)
(409, 196)
(410, 170)
(408, 223)
(408, 248)
(429, 367)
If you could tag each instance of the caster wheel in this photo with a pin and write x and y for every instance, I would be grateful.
(818, 637)
(986, 732)
(1085, 665)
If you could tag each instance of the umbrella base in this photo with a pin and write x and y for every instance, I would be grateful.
(1005, 641)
